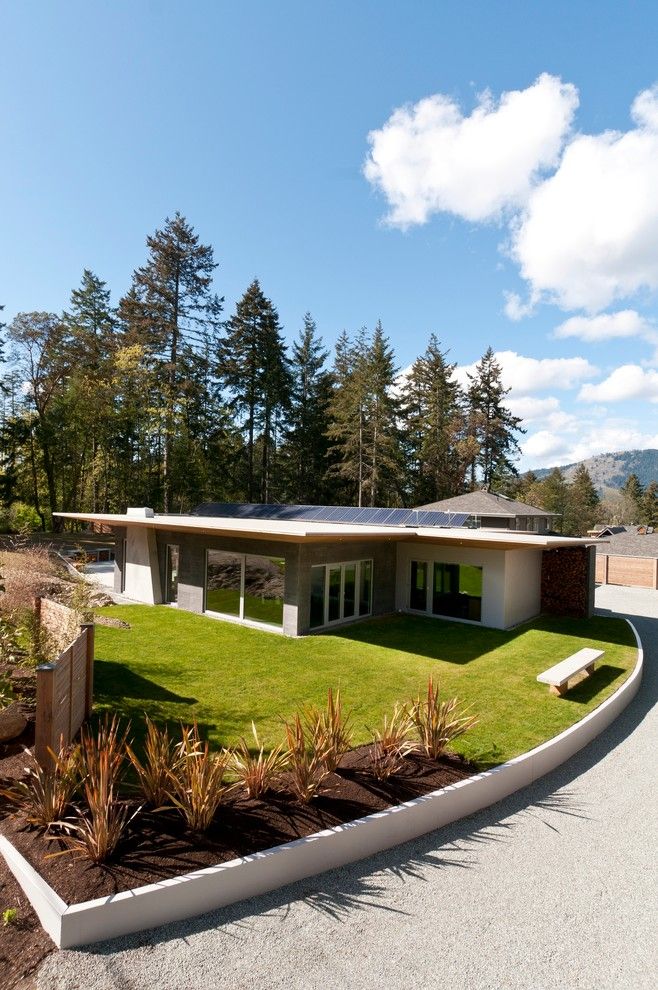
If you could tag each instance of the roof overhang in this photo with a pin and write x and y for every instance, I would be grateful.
(318, 532)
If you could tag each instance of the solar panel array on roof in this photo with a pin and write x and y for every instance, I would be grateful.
(333, 514)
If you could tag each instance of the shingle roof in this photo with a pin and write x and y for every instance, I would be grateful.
(629, 544)
(487, 504)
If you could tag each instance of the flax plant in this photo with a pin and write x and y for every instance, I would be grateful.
(391, 744)
(330, 729)
(258, 770)
(46, 792)
(161, 760)
(307, 762)
(438, 722)
(196, 785)
(98, 828)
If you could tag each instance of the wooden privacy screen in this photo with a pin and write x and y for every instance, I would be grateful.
(64, 692)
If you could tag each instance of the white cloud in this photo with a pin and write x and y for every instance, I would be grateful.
(531, 408)
(525, 375)
(429, 158)
(630, 381)
(515, 309)
(547, 448)
(606, 326)
(589, 233)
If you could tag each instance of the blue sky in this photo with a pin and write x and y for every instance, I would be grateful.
(509, 186)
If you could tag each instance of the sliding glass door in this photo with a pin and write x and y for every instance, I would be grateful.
(340, 592)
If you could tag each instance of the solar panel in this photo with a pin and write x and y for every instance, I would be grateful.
(366, 515)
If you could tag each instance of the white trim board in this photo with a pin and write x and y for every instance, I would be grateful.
(218, 886)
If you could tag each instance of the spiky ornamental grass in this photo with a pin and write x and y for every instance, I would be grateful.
(331, 730)
(45, 794)
(257, 770)
(197, 785)
(438, 722)
(161, 760)
(98, 828)
(307, 761)
(391, 744)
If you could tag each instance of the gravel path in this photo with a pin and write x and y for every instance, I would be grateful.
(555, 887)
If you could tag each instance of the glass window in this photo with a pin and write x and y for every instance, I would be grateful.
(457, 591)
(223, 582)
(264, 582)
(418, 593)
(317, 597)
(349, 591)
(365, 587)
(335, 572)
(171, 590)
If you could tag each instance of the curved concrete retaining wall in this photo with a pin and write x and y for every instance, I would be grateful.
(214, 887)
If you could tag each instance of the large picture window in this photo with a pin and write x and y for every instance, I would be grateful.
(340, 592)
(453, 590)
(245, 586)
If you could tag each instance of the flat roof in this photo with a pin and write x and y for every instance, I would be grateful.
(308, 532)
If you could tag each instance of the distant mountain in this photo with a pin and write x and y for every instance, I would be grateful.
(611, 470)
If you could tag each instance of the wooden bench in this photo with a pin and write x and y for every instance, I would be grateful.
(558, 677)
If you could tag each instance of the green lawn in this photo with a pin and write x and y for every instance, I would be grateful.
(179, 666)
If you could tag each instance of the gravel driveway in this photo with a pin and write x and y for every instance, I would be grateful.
(555, 887)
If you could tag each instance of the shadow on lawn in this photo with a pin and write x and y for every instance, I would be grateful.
(116, 680)
(457, 643)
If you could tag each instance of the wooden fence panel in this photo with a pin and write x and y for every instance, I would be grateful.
(64, 688)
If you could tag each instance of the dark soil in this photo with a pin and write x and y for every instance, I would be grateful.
(157, 846)
(23, 942)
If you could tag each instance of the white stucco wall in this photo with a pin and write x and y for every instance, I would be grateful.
(142, 573)
(522, 585)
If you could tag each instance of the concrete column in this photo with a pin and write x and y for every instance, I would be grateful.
(142, 572)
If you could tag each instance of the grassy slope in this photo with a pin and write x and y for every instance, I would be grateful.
(179, 666)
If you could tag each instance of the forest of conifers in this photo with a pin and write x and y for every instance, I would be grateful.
(167, 400)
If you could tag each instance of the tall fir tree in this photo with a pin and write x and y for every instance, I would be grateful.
(632, 494)
(490, 424)
(434, 426)
(384, 469)
(254, 369)
(649, 505)
(346, 428)
(172, 312)
(306, 444)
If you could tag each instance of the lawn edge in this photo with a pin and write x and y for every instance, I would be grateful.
(204, 890)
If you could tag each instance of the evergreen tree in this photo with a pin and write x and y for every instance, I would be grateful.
(490, 424)
(91, 324)
(582, 504)
(434, 427)
(551, 494)
(649, 505)
(306, 442)
(384, 473)
(172, 312)
(346, 429)
(632, 494)
(255, 371)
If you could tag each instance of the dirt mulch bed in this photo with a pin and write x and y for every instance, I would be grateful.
(23, 943)
(158, 847)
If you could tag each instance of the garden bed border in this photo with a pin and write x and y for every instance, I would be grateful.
(192, 894)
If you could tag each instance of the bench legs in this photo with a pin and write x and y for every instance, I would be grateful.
(561, 689)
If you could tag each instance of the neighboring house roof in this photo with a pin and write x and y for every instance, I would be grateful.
(487, 504)
(323, 531)
(599, 531)
(629, 543)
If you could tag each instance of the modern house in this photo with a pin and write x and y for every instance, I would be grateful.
(297, 569)
(487, 510)
(627, 555)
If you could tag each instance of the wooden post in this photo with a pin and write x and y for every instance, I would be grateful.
(655, 573)
(605, 572)
(88, 628)
(45, 713)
